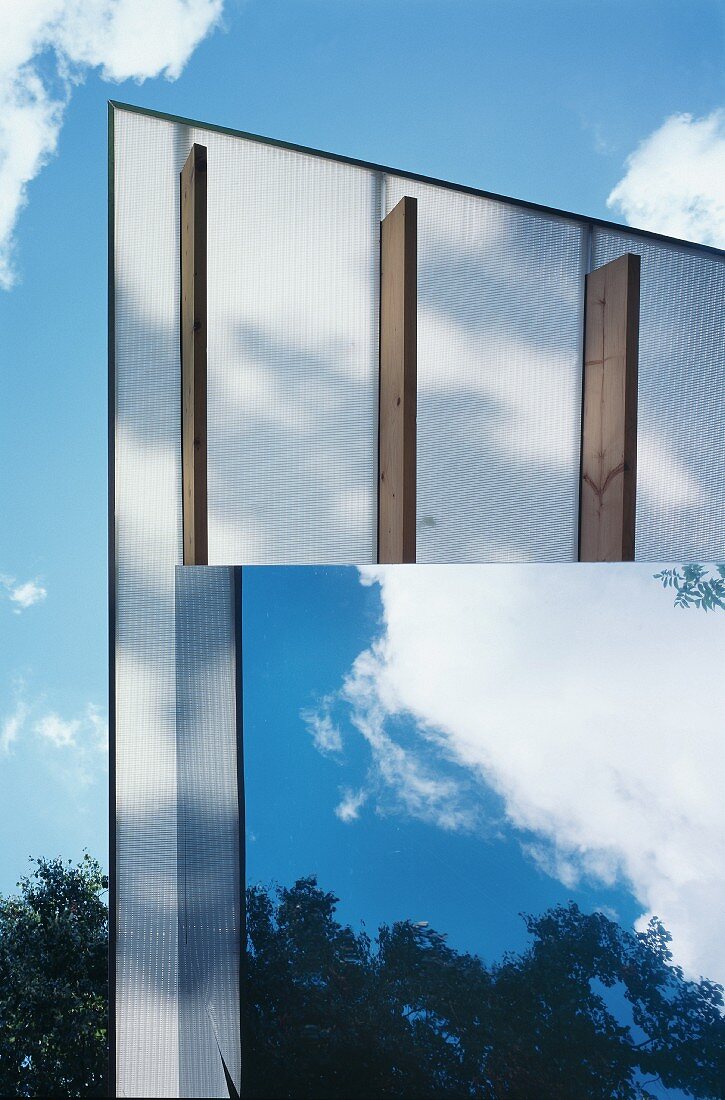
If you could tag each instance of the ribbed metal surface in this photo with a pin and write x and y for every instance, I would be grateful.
(292, 356)
(681, 425)
(209, 885)
(147, 545)
(500, 299)
(293, 287)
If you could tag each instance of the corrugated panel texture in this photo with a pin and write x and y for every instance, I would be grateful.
(681, 428)
(210, 887)
(500, 299)
(292, 379)
(148, 543)
(292, 356)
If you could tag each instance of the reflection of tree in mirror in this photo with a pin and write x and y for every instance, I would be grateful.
(333, 1013)
(696, 586)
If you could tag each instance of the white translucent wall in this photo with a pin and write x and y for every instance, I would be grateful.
(681, 410)
(500, 300)
(292, 355)
(292, 362)
(147, 545)
(293, 275)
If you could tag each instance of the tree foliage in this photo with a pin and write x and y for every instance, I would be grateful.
(53, 982)
(587, 1010)
(696, 586)
(332, 1013)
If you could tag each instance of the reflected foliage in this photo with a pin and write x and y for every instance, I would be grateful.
(334, 1013)
(53, 982)
(587, 1010)
(696, 586)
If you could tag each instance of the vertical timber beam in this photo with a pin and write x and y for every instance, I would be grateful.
(398, 384)
(193, 356)
(609, 415)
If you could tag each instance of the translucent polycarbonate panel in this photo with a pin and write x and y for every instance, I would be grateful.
(681, 427)
(292, 338)
(292, 355)
(210, 887)
(293, 287)
(147, 544)
(292, 469)
(500, 299)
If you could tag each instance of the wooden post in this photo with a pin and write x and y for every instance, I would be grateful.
(398, 384)
(193, 356)
(609, 416)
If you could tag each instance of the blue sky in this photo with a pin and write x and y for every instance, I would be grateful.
(541, 101)
(386, 691)
(303, 628)
(467, 764)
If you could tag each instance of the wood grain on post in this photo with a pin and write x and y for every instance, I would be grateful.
(398, 384)
(193, 356)
(609, 418)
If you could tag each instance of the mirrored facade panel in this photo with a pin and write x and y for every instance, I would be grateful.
(500, 313)
(471, 870)
(680, 460)
(293, 300)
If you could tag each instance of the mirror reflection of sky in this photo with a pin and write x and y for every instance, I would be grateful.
(463, 744)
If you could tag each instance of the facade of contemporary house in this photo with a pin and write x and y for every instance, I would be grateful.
(318, 360)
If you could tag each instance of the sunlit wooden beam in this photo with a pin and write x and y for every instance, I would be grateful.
(398, 384)
(609, 420)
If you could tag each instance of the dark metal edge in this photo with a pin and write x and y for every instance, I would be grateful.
(540, 208)
(112, 893)
(582, 380)
(239, 710)
(378, 380)
(588, 249)
(181, 379)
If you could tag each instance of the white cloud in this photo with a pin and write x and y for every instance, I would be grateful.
(675, 180)
(45, 48)
(418, 788)
(23, 594)
(58, 731)
(74, 751)
(98, 724)
(81, 744)
(87, 734)
(584, 701)
(325, 734)
(12, 725)
(349, 806)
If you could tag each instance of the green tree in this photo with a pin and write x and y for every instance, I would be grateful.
(331, 1013)
(53, 982)
(696, 586)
